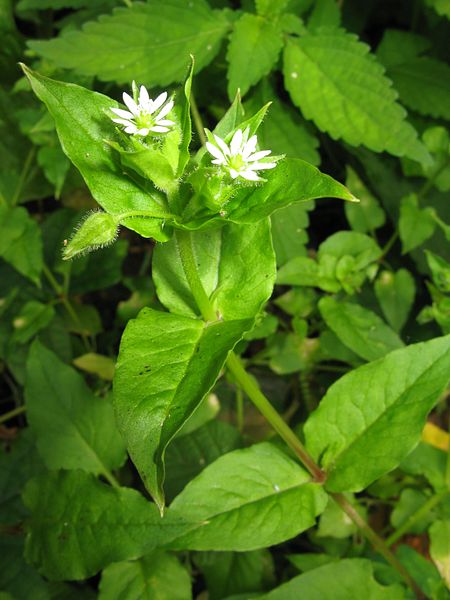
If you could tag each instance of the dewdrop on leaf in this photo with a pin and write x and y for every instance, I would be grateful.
(99, 229)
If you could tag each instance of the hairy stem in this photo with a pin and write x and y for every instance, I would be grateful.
(197, 120)
(12, 413)
(251, 388)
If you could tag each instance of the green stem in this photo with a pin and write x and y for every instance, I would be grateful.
(253, 391)
(429, 184)
(416, 517)
(12, 413)
(377, 542)
(197, 120)
(110, 477)
(23, 175)
(391, 241)
(240, 410)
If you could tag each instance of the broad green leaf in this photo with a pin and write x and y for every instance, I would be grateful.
(361, 247)
(83, 124)
(148, 42)
(395, 293)
(74, 428)
(359, 329)
(367, 215)
(398, 46)
(32, 317)
(16, 576)
(55, 165)
(97, 364)
(230, 573)
(326, 13)
(293, 180)
(55, 4)
(440, 548)
(236, 265)
(423, 85)
(422, 571)
(372, 417)
(167, 364)
(255, 44)
(336, 82)
(156, 576)
(407, 504)
(428, 461)
(289, 235)
(20, 242)
(416, 225)
(248, 499)
(189, 454)
(300, 270)
(348, 578)
(79, 525)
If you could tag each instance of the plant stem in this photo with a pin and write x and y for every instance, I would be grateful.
(250, 386)
(415, 517)
(12, 413)
(391, 241)
(240, 409)
(23, 175)
(143, 213)
(197, 120)
(377, 542)
(110, 477)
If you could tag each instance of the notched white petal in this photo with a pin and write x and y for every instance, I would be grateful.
(131, 104)
(159, 101)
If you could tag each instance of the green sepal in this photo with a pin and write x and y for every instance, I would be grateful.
(97, 231)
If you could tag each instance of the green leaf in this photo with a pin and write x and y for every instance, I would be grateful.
(423, 572)
(167, 364)
(32, 317)
(372, 417)
(79, 525)
(189, 454)
(359, 329)
(74, 428)
(83, 124)
(415, 225)
(348, 578)
(367, 215)
(398, 46)
(440, 548)
(350, 243)
(55, 165)
(148, 42)
(16, 576)
(255, 44)
(185, 121)
(155, 576)
(424, 86)
(442, 7)
(289, 234)
(236, 265)
(97, 364)
(395, 293)
(248, 499)
(270, 8)
(336, 82)
(440, 271)
(20, 242)
(407, 504)
(326, 13)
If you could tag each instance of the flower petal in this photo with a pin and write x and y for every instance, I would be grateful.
(125, 122)
(125, 114)
(250, 146)
(258, 155)
(257, 166)
(131, 104)
(143, 131)
(164, 122)
(214, 150)
(159, 129)
(158, 101)
(144, 98)
(222, 145)
(250, 175)
(218, 161)
(233, 173)
(131, 129)
(236, 142)
(165, 109)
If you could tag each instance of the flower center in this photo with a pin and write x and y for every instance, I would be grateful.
(145, 120)
(236, 162)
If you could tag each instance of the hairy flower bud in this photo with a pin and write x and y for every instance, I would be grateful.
(98, 230)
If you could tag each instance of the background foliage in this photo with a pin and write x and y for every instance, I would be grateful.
(359, 320)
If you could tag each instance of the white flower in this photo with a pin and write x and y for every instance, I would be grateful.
(239, 159)
(144, 115)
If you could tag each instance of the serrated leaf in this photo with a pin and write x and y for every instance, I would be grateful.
(20, 242)
(248, 499)
(83, 125)
(167, 364)
(147, 42)
(79, 525)
(359, 329)
(74, 428)
(336, 82)
(372, 417)
(255, 44)
(395, 293)
(236, 265)
(424, 86)
(347, 578)
(155, 576)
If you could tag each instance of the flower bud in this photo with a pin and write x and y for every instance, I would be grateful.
(98, 230)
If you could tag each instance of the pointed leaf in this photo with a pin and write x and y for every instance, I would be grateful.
(395, 293)
(337, 83)
(371, 418)
(83, 124)
(416, 225)
(149, 42)
(79, 525)
(255, 44)
(236, 265)
(167, 364)
(156, 576)
(248, 499)
(74, 428)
